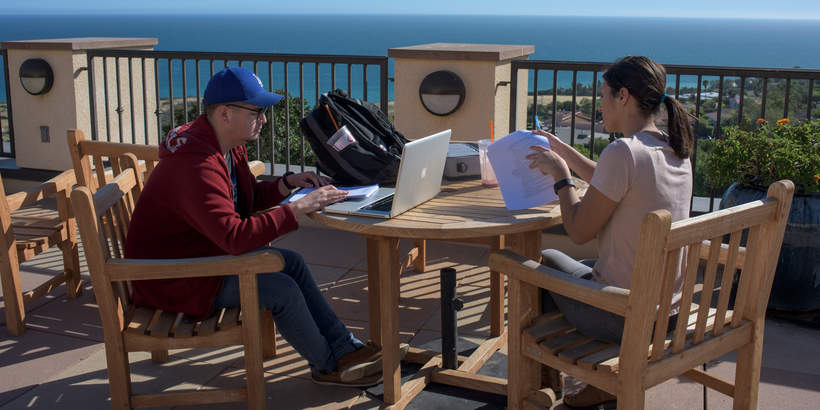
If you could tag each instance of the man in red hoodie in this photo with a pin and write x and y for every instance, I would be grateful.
(202, 199)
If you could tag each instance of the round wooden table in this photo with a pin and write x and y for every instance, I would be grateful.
(465, 212)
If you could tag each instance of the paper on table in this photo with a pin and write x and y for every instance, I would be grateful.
(353, 192)
(521, 187)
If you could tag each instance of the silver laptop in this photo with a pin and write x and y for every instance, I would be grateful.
(419, 179)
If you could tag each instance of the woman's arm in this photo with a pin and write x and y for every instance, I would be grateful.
(578, 163)
(582, 218)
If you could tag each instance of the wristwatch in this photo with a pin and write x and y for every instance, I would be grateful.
(562, 183)
(285, 180)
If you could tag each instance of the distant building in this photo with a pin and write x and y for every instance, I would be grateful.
(583, 122)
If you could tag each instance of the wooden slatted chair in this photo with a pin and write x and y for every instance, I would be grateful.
(128, 328)
(30, 226)
(110, 156)
(103, 155)
(706, 330)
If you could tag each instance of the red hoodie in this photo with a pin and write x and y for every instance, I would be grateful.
(186, 210)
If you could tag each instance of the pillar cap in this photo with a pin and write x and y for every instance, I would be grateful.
(80, 43)
(462, 51)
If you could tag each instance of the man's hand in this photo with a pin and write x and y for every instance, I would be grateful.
(317, 200)
(308, 180)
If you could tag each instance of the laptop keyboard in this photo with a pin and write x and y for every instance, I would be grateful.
(383, 205)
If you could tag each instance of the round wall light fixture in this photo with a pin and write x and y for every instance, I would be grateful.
(442, 92)
(36, 76)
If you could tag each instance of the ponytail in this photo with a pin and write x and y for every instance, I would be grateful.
(680, 132)
(646, 82)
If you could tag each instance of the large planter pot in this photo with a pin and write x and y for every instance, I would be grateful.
(796, 284)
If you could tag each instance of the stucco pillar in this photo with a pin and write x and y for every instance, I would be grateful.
(485, 71)
(66, 105)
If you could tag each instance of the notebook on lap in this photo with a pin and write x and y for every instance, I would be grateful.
(419, 180)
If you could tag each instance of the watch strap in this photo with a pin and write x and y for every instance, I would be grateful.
(285, 180)
(562, 183)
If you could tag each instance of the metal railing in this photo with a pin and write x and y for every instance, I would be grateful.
(6, 122)
(716, 96)
(146, 93)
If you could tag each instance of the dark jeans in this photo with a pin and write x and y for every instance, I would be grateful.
(302, 315)
(589, 320)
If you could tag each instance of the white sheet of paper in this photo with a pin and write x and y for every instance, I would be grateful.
(354, 192)
(521, 187)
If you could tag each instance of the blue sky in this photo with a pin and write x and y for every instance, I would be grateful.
(786, 9)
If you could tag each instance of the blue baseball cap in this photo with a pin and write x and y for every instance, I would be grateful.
(238, 84)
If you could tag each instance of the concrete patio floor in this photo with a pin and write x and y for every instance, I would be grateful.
(60, 361)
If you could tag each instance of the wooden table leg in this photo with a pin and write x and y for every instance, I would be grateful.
(420, 264)
(388, 285)
(496, 293)
(528, 244)
(373, 295)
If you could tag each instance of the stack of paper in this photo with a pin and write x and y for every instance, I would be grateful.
(521, 186)
(354, 192)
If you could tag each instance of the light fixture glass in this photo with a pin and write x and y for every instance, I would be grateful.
(36, 76)
(442, 92)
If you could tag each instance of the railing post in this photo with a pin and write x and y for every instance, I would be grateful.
(8, 105)
(485, 74)
(92, 100)
(71, 102)
(514, 67)
(382, 85)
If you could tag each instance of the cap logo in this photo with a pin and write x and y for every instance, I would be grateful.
(258, 80)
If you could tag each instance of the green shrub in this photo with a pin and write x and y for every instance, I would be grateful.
(263, 151)
(766, 154)
(699, 186)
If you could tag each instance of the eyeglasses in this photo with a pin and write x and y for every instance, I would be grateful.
(258, 111)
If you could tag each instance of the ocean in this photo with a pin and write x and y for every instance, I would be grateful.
(721, 42)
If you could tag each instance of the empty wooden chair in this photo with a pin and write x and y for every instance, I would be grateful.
(103, 220)
(705, 330)
(29, 228)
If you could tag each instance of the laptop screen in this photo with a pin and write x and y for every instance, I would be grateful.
(420, 172)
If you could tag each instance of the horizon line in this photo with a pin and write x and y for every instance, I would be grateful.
(8, 13)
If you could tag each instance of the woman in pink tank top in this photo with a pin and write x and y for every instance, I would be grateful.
(648, 169)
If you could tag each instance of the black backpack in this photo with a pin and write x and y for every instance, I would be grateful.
(374, 157)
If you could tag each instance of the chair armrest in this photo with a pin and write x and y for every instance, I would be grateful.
(260, 261)
(724, 253)
(62, 182)
(610, 298)
(257, 168)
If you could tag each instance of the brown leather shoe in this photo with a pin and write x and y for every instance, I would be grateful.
(360, 363)
(335, 379)
(365, 361)
(590, 396)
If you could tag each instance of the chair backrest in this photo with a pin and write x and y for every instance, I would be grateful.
(664, 245)
(100, 154)
(103, 221)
